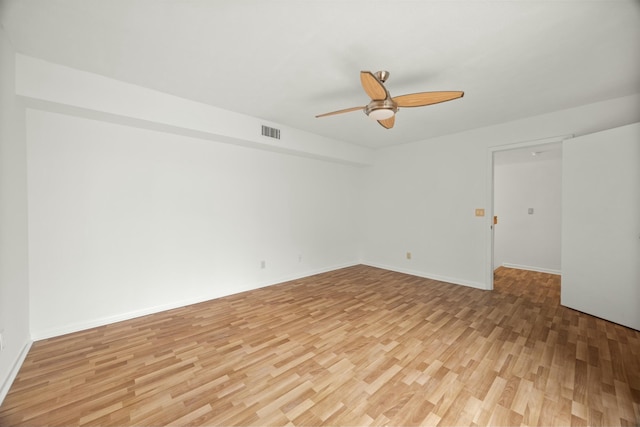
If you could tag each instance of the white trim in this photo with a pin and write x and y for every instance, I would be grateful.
(431, 276)
(530, 268)
(6, 386)
(94, 323)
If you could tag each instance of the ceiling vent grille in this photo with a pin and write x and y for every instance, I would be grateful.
(270, 132)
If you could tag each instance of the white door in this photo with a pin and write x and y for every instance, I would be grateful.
(601, 225)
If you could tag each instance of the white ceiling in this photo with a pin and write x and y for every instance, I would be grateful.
(286, 61)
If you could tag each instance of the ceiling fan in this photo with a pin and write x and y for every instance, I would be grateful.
(383, 107)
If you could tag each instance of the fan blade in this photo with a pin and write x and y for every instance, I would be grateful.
(346, 110)
(388, 123)
(374, 87)
(426, 98)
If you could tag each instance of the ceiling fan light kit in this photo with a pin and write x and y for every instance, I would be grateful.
(383, 107)
(381, 110)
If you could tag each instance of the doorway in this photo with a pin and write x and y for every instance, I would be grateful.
(524, 206)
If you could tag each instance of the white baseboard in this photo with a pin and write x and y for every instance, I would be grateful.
(530, 268)
(437, 277)
(94, 323)
(14, 371)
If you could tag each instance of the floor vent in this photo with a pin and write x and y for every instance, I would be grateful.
(270, 132)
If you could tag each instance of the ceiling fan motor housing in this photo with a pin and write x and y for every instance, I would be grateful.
(386, 104)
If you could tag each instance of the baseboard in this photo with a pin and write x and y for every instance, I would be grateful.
(14, 371)
(431, 276)
(529, 268)
(308, 273)
(94, 323)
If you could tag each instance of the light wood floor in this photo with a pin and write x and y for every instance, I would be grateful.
(358, 346)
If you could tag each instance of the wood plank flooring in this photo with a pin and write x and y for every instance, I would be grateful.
(357, 346)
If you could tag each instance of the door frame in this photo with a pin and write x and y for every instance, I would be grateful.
(490, 197)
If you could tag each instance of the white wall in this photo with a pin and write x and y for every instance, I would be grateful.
(523, 240)
(601, 225)
(421, 197)
(14, 292)
(125, 221)
(140, 201)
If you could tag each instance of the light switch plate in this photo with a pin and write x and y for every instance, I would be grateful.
(479, 212)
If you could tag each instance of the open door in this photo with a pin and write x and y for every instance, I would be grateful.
(601, 225)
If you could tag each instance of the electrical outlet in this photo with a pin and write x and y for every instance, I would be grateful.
(263, 264)
(408, 255)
